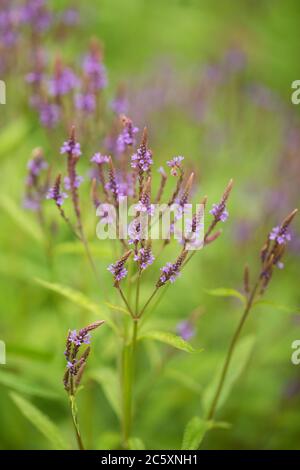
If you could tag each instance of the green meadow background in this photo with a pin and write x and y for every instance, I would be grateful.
(238, 138)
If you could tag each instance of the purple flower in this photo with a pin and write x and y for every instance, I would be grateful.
(220, 212)
(127, 136)
(142, 159)
(144, 257)
(144, 207)
(95, 70)
(120, 105)
(72, 147)
(35, 14)
(175, 164)
(99, 158)
(34, 77)
(280, 235)
(186, 330)
(118, 272)
(77, 182)
(79, 338)
(36, 165)
(171, 271)
(63, 81)
(118, 269)
(55, 194)
(85, 102)
(49, 114)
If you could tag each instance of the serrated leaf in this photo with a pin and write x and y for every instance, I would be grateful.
(77, 298)
(135, 443)
(20, 217)
(41, 421)
(170, 339)
(238, 363)
(276, 306)
(11, 380)
(223, 292)
(109, 382)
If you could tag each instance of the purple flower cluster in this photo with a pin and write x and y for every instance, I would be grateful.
(36, 14)
(99, 158)
(220, 212)
(80, 338)
(175, 165)
(71, 147)
(85, 102)
(35, 188)
(94, 69)
(76, 363)
(63, 81)
(56, 194)
(58, 197)
(171, 271)
(118, 269)
(77, 182)
(280, 235)
(144, 257)
(127, 137)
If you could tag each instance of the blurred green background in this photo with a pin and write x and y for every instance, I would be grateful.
(250, 131)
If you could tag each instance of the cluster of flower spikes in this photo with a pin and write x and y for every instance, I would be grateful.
(111, 178)
(273, 250)
(76, 361)
(23, 27)
(67, 88)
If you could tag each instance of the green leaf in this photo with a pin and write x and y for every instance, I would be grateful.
(196, 430)
(135, 443)
(276, 306)
(194, 433)
(223, 292)
(77, 298)
(238, 363)
(41, 422)
(12, 135)
(109, 382)
(8, 379)
(20, 217)
(170, 339)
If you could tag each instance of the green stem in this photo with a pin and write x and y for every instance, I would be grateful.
(148, 302)
(213, 407)
(128, 372)
(75, 422)
(125, 301)
(137, 297)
